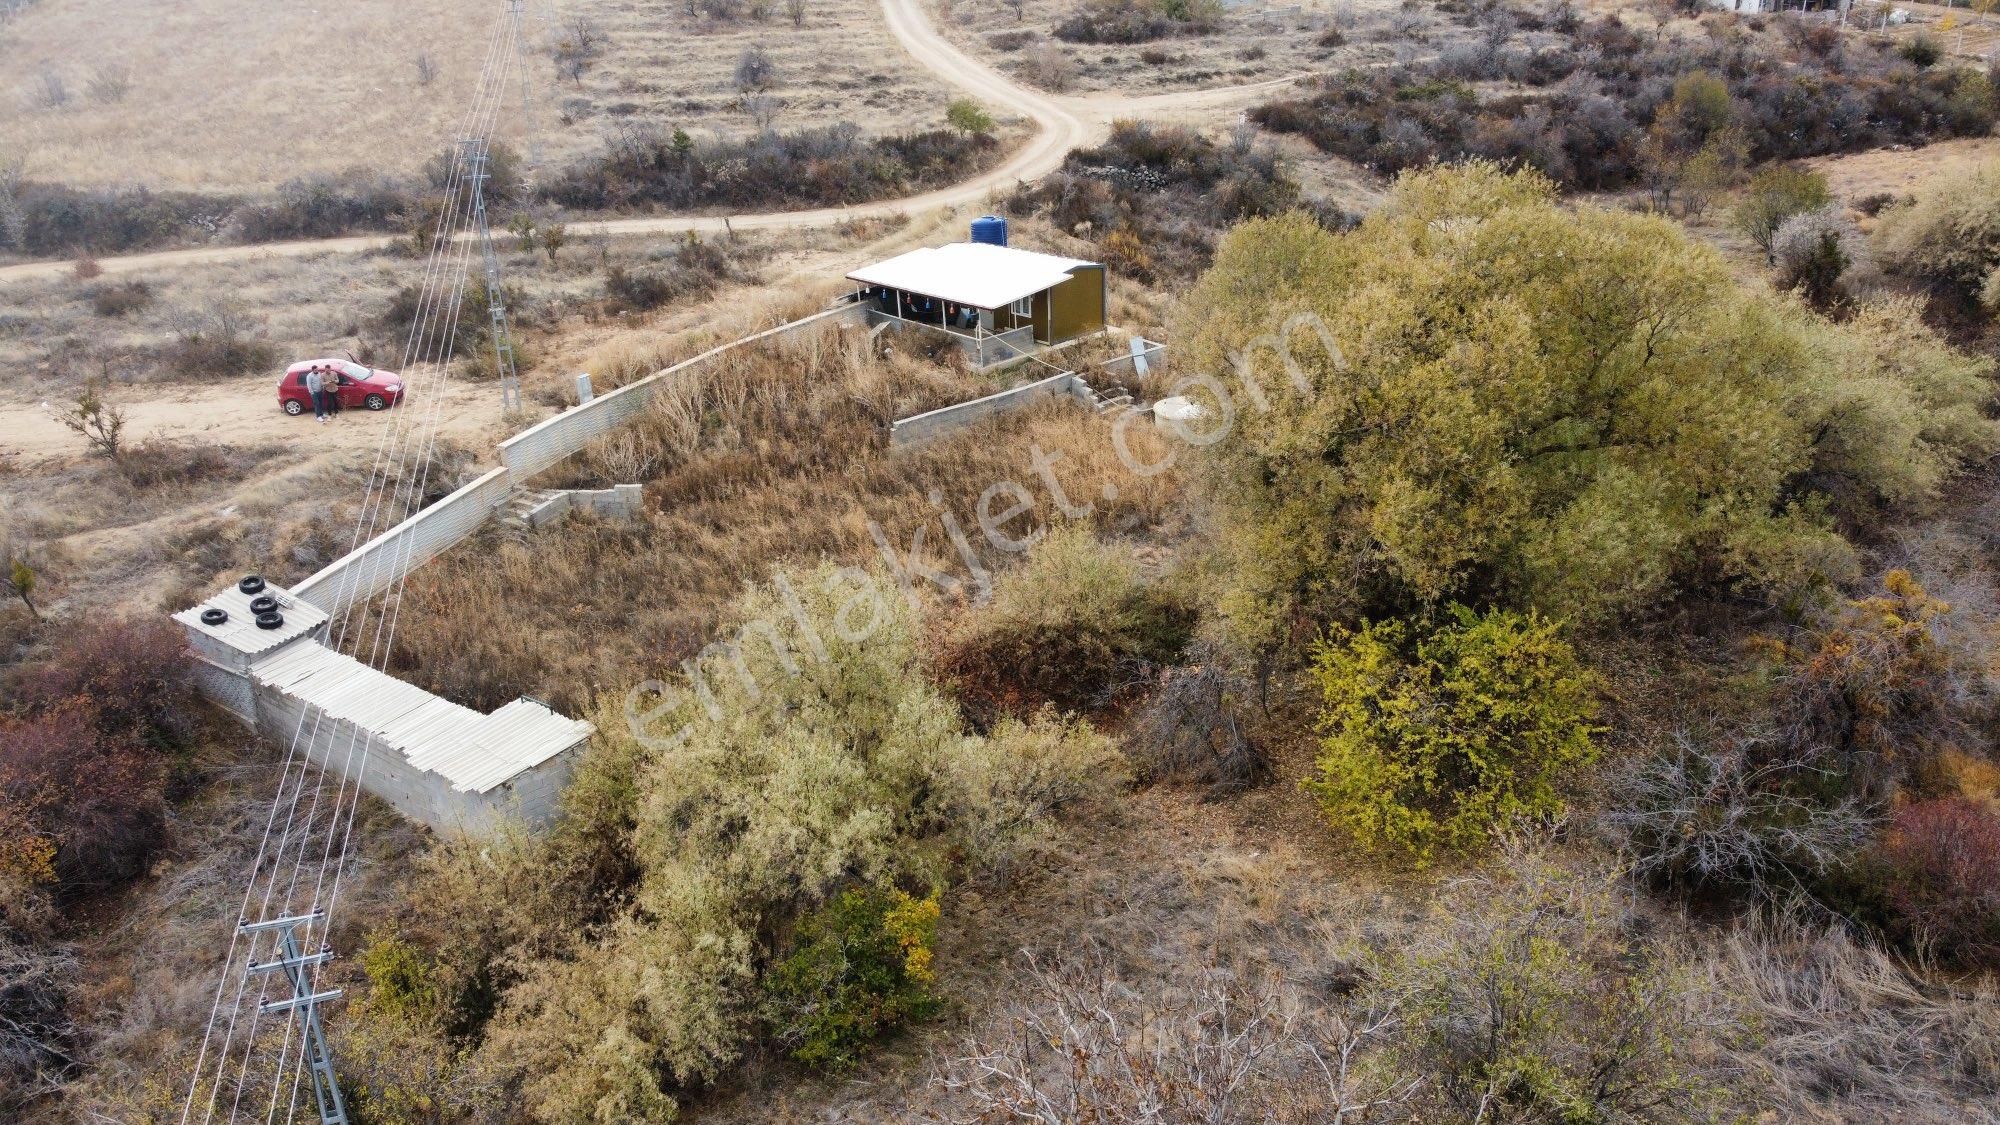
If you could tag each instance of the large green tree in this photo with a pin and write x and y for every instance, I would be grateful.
(1497, 397)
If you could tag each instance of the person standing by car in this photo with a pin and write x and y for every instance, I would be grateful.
(316, 387)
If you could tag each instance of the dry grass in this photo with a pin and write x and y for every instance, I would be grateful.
(772, 457)
(228, 95)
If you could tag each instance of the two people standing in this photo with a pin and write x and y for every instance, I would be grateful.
(322, 393)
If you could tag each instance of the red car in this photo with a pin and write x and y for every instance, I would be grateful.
(353, 384)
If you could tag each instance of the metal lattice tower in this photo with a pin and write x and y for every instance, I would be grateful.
(304, 1002)
(496, 298)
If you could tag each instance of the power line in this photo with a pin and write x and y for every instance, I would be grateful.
(386, 492)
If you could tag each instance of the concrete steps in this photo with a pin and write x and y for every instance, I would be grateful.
(528, 509)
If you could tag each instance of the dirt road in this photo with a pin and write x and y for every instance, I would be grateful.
(1061, 124)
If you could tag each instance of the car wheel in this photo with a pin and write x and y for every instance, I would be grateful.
(376, 402)
(294, 407)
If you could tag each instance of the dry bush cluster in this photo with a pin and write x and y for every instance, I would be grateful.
(803, 168)
(1609, 105)
(1155, 198)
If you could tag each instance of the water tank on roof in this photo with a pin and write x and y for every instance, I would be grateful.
(990, 229)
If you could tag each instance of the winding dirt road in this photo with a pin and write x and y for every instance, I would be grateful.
(1061, 124)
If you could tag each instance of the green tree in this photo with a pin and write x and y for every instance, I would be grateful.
(20, 576)
(1950, 235)
(1567, 408)
(860, 967)
(966, 116)
(1435, 741)
(1776, 194)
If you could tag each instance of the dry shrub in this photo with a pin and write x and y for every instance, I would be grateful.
(1076, 627)
(1190, 730)
(78, 810)
(1530, 998)
(122, 299)
(1723, 816)
(1936, 869)
(1881, 689)
(39, 1036)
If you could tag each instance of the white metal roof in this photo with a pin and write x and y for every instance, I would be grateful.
(240, 632)
(474, 752)
(971, 273)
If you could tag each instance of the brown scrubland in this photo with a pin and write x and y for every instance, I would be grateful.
(1565, 690)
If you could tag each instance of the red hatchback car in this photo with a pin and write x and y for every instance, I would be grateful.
(354, 385)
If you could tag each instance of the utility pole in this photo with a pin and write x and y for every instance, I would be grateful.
(294, 963)
(496, 300)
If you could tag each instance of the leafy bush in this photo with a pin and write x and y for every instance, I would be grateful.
(821, 761)
(1546, 463)
(1936, 869)
(1530, 1001)
(1776, 194)
(54, 220)
(1436, 741)
(1116, 21)
(323, 205)
(860, 967)
(1069, 628)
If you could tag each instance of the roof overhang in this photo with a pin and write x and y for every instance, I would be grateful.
(971, 273)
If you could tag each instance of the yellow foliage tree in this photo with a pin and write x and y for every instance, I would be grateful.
(1481, 393)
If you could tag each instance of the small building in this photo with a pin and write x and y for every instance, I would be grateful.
(261, 652)
(1001, 302)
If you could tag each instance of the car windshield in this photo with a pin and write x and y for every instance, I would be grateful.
(355, 370)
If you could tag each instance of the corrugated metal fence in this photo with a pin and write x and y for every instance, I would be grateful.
(383, 561)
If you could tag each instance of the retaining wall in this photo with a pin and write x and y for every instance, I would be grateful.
(548, 442)
(385, 559)
(923, 427)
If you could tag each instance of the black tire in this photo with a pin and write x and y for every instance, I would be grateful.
(294, 407)
(270, 621)
(251, 584)
(375, 402)
(214, 616)
(263, 605)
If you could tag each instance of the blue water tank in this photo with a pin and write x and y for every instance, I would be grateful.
(990, 229)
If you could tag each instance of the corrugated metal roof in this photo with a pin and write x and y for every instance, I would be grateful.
(241, 633)
(971, 273)
(474, 752)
